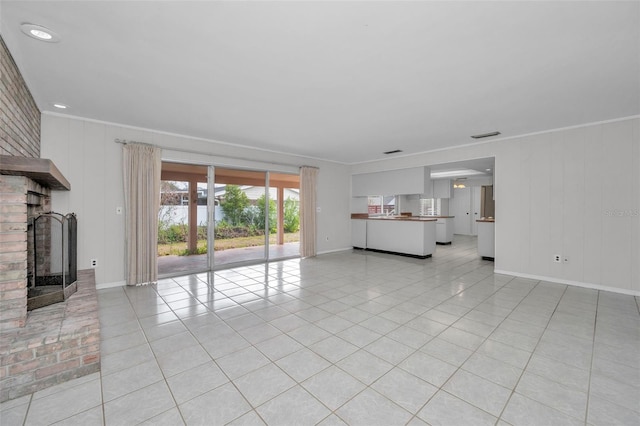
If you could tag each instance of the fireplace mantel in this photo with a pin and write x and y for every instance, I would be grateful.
(41, 170)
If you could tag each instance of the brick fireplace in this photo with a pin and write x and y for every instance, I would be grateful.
(49, 345)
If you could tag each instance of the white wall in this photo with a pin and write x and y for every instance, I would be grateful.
(587, 177)
(85, 152)
(574, 192)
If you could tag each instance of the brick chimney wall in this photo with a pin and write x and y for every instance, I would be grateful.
(19, 114)
(19, 136)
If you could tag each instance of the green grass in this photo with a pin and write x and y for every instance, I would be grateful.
(179, 249)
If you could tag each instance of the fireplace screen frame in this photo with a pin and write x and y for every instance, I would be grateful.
(55, 268)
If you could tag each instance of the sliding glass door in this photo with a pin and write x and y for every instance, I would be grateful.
(246, 216)
(241, 214)
(183, 219)
(284, 239)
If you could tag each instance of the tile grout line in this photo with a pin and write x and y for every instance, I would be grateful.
(524, 369)
(593, 354)
(476, 351)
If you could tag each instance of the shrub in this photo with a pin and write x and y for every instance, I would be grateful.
(224, 230)
(291, 215)
(234, 204)
(273, 214)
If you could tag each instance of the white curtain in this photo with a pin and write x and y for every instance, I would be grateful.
(142, 166)
(308, 182)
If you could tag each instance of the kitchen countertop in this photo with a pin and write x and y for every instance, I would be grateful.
(398, 218)
(439, 217)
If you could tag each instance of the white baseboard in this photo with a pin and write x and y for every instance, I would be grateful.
(103, 286)
(570, 282)
(334, 251)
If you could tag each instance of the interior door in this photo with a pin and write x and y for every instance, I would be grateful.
(460, 207)
(476, 202)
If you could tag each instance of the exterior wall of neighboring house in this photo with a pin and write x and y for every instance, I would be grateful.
(179, 213)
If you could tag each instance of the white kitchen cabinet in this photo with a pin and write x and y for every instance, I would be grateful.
(412, 237)
(428, 188)
(442, 188)
(486, 239)
(359, 233)
(412, 180)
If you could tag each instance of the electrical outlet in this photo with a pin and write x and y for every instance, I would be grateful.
(557, 258)
(93, 263)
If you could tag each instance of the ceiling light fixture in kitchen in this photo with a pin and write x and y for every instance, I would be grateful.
(455, 173)
(40, 33)
(485, 135)
(60, 106)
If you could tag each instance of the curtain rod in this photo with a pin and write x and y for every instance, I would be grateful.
(189, 151)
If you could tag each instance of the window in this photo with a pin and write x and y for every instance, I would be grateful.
(381, 204)
(430, 206)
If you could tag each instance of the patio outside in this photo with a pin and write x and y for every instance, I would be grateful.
(239, 230)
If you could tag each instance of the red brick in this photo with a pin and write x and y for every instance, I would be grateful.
(8, 306)
(92, 338)
(13, 237)
(13, 198)
(12, 208)
(13, 285)
(15, 217)
(31, 365)
(17, 357)
(91, 359)
(17, 249)
(56, 347)
(57, 368)
(14, 323)
(78, 352)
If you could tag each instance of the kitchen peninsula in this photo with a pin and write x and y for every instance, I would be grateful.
(405, 235)
(486, 238)
(444, 229)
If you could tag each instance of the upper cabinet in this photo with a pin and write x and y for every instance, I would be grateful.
(415, 180)
(443, 188)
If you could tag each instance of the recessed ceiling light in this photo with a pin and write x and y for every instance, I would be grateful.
(60, 106)
(40, 33)
(485, 135)
(488, 170)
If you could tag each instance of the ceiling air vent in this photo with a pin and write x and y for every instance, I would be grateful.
(485, 135)
(395, 151)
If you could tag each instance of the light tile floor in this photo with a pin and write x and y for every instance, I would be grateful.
(355, 338)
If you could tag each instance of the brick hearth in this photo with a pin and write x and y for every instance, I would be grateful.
(58, 343)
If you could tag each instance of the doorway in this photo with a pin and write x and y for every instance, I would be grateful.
(216, 217)
(258, 216)
(465, 207)
(183, 219)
